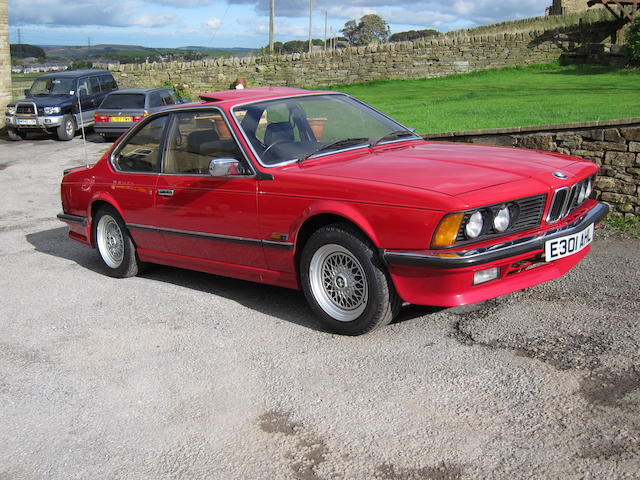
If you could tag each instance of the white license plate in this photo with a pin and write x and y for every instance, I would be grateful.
(26, 121)
(564, 246)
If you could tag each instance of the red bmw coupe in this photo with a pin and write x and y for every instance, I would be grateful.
(320, 192)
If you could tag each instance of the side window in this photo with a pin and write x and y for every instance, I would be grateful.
(197, 138)
(107, 83)
(167, 99)
(154, 100)
(142, 151)
(83, 86)
(95, 85)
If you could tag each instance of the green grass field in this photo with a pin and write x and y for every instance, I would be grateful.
(512, 97)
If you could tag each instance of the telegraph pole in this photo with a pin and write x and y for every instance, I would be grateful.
(19, 36)
(272, 14)
(325, 30)
(310, 13)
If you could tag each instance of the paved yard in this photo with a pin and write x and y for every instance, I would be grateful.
(178, 374)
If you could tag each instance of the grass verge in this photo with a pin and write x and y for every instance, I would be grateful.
(510, 97)
(620, 227)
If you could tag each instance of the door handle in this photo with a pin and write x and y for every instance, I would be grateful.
(165, 193)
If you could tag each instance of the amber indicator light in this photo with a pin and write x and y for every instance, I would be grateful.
(447, 231)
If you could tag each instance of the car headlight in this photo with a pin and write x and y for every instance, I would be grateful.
(502, 220)
(589, 189)
(51, 110)
(474, 226)
(11, 110)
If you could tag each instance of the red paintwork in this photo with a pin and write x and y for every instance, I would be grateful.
(395, 193)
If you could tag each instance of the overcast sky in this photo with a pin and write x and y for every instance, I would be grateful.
(237, 23)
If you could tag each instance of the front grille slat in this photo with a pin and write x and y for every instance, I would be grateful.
(566, 200)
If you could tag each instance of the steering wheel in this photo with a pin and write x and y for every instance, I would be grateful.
(277, 142)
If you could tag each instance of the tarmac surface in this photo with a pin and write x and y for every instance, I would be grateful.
(177, 374)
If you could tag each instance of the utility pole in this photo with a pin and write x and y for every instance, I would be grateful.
(88, 42)
(310, 13)
(272, 14)
(19, 37)
(325, 30)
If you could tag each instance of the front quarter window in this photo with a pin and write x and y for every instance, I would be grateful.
(141, 152)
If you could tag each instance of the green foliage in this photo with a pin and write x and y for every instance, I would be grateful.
(511, 97)
(80, 65)
(633, 40)
(622, 226)
(293, 46)
(413, 35)
(179, 87)
(22, 50)
(371, 28)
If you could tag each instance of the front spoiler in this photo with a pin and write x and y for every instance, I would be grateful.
(480, 256)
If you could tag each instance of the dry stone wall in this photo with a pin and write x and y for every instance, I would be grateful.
(420, 59)
(613, 145)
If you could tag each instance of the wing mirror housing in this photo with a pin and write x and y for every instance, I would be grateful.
(27, 91)
(224, 167)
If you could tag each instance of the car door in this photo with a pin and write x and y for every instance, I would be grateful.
(137, 163)
(211, 218)
(86, 100)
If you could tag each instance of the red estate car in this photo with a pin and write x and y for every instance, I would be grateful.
(320, 192)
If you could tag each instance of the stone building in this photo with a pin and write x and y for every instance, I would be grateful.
(5, 60)
(564, 7)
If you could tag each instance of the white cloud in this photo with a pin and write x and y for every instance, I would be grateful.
(152, 21)
(212, 23)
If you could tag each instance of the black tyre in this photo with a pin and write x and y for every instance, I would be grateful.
(345, 283)
(15, 135)
(67, 130)
(115, 248)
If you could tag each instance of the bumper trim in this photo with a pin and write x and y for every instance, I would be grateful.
(471, 258)
(65, 217)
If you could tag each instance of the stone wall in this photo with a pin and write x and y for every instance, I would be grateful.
(614, 145)
(427, 58)
(5, 60)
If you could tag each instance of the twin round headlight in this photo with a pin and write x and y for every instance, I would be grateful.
(585, 190)
(476, 222)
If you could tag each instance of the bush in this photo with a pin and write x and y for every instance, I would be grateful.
(633, 40)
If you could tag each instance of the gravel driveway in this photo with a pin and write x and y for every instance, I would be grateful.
(178, 374)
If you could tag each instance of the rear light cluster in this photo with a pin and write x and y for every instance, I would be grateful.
(567, 199)
(106, 118)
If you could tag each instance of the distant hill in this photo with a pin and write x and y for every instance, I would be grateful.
(82, 52)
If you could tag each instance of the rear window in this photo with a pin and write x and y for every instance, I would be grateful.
(124, 100)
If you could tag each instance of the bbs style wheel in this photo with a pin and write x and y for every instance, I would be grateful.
(115, 248)
(345, 283)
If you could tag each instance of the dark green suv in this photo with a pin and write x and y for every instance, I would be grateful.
(59, 103)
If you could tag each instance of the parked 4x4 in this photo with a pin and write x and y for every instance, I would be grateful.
(55, 101)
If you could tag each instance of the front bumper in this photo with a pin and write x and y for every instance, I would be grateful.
(41, 122)
(432, 277)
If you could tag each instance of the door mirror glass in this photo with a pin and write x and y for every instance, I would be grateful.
(224, 167)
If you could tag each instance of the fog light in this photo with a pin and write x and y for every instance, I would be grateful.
(485, 276)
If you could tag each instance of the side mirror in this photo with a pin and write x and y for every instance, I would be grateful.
(26, 92)
(223, 167)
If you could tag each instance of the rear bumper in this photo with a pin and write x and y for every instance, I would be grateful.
(427, 278)
(105, 129)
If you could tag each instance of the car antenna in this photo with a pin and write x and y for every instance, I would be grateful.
(84, 139)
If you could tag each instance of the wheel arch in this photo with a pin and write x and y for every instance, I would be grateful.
(96, 204)
(326, 216)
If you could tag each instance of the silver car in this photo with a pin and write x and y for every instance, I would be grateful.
(123, 108)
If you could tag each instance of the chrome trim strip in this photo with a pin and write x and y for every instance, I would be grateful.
(471, 258)
(65, 217)
(212, 236)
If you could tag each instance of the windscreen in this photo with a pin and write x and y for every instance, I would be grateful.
(123, 100)
(52, 86)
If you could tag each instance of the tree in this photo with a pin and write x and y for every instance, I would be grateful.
(413, 35)
(371, 28)
(22, 50)
(633, 40)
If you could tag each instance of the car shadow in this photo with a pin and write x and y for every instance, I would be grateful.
(285, 304)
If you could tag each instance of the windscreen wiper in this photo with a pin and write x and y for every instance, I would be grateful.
(340, 143)
(391, 136)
